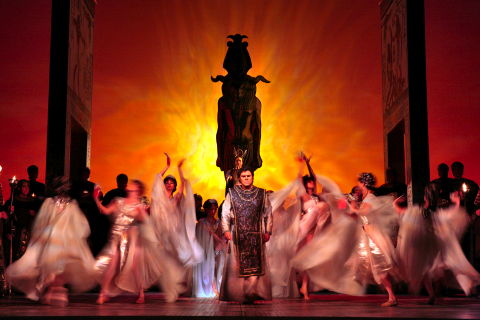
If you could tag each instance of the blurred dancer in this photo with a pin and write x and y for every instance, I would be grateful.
(57, 254)
(429, 244)
(356, 248)
(204, 279)
(315, 215)
(174, 217)
(134, 258)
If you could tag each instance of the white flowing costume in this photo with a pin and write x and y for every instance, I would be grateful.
(281, 248)
(290, 229)
(176, 224)
(142, 261)
(58, 247)
(204, 275)
(221, 250)
(429, 245)
(352, 250)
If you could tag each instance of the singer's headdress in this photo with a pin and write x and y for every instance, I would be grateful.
(239, 153)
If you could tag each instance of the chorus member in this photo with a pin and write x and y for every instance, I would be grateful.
(82, 191)
(356, 248)
(23, 215)
(355, 196)
(377, 256)
(445, 185)
(199, 211)
(174, 217)
(36, 188)
(174, 211)
(134, 258)
(57, 254)
(315, 214)
(204, 278)
(118, 192)
(429, 244)
(468, 188)
(231, 176)
(468, 191)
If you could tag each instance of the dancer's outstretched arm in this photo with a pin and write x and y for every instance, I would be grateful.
(302, 192)
(105, 210)
(310, 171)
(181, 186)
(167, 166)
(300, 161)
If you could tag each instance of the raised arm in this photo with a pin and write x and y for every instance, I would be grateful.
(300, 161)
(167, 166)
(310, 171)
(181, 186)
(105, 210)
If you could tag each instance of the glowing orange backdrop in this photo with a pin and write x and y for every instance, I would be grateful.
(152, 91)
(158, 97)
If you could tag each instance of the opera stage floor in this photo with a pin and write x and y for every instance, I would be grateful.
(321, 306)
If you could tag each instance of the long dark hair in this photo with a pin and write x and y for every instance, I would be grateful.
(431, 195)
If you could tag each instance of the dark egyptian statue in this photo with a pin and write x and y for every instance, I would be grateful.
(239, 110)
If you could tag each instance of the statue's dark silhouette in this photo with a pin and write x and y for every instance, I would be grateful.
(239, 110)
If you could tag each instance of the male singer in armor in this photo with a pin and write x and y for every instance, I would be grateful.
(247, 224)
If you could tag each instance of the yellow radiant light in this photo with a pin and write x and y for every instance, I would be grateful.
(305, 107)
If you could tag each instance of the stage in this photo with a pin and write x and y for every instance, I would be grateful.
(324, 306)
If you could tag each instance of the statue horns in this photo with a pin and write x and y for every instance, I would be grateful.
(218, 78)
(237, 36)
(260, 78)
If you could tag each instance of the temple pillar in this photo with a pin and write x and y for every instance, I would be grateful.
(405, 121)
(70, 91)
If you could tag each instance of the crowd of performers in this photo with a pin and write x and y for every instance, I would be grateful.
(263, 245)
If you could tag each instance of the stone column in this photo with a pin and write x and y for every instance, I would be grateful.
(405, 121)
(70, 92)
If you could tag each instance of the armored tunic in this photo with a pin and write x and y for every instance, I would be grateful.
(248, 215)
